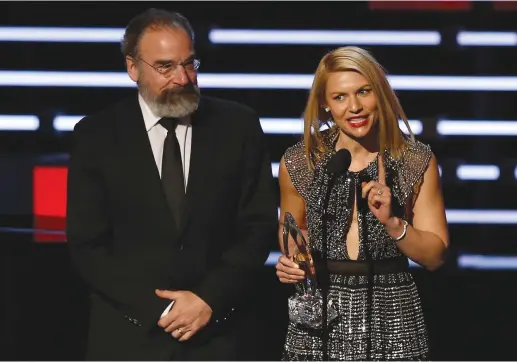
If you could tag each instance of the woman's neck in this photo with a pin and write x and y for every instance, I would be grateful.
(363, 150)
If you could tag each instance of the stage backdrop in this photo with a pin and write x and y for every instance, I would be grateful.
(452, 64)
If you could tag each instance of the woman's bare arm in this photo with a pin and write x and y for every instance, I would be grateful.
(427, 239)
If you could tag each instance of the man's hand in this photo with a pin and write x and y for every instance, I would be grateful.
(187, 316)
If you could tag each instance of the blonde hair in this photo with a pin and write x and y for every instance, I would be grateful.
(356, 59)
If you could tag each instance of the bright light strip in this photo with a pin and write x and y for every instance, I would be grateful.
(256, 81)
(324, 37)
(231, 36)
(65, 79)
(476, 128)
(65, 123)
(55, 35)
(19, 123)
(478, 172)
(487, 262)
(415, 125)
(453, 83)
(486, 38)
(252, 81)
(274, 168)
(273, 258)
(499, 217)
(282, 125)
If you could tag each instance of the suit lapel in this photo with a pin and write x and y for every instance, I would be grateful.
(140, 163)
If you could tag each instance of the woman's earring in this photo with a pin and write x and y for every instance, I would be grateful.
(327, 109)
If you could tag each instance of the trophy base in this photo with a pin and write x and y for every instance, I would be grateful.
(307, 310)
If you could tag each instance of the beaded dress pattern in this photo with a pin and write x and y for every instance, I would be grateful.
(396, 326)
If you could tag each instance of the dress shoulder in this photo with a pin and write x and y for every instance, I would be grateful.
(298, 168)
(410, 168)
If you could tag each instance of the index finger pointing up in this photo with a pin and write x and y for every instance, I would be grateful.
(381, 170)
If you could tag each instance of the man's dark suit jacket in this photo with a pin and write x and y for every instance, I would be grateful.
(124, 242)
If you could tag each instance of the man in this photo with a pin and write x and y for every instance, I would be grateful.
(171, 207)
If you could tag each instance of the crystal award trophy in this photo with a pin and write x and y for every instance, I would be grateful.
(305, 306)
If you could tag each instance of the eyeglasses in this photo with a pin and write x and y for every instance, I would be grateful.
(190, 65)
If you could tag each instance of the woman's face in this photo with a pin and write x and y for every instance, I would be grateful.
(352, 103)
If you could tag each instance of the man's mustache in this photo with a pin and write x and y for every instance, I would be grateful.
(187, 89)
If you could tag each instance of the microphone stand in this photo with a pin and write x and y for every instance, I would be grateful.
(337, 165)
(325, 279)
(362, 206)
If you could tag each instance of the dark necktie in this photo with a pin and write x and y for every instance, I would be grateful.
(172, 171)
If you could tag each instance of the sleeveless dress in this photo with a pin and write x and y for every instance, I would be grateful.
(391, 326)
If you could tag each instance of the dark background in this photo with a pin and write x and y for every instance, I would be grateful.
(469, 311)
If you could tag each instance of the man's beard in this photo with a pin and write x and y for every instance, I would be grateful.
(172, 102)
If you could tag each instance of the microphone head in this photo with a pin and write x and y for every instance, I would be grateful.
(340, 162)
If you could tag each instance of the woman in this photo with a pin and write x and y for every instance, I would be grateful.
(387, 208)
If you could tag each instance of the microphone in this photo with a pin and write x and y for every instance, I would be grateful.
(338, 165)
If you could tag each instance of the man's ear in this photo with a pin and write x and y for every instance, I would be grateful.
(132, 69)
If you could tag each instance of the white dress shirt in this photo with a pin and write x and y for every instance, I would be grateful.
(157, 134)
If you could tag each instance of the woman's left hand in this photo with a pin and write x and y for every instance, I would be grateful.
(379, 196)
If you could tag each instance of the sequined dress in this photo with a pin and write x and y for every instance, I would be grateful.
(395, 319)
